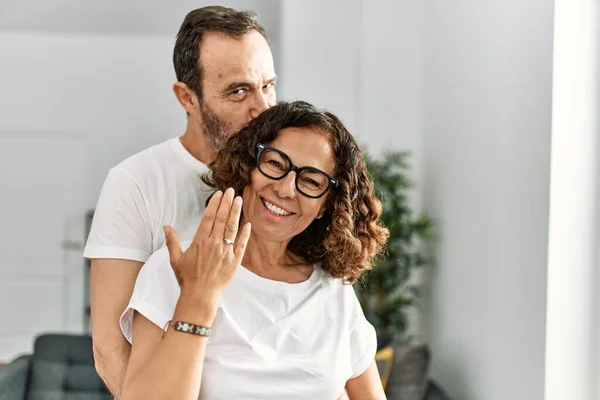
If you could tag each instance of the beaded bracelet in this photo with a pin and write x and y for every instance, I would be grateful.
(187, 327)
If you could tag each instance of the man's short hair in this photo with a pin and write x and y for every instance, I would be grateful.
(186, 55)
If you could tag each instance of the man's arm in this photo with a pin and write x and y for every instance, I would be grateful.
(120, 240)
(112, 283)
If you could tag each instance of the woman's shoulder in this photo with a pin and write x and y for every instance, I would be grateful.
(155, 293)
(333, 284)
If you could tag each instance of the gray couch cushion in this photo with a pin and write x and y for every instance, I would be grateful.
(13, 378)
(62, 368)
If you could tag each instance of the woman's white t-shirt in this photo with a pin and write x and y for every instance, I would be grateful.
(270, 339)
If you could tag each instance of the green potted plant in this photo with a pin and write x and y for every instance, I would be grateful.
(387, 293)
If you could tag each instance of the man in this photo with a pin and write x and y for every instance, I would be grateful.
(225, 78)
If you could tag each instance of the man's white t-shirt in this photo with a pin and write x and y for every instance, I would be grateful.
(270, 340)
(158, 186)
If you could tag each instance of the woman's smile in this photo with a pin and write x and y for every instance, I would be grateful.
(275, 210)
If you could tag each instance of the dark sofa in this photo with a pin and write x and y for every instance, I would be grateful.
(60, 368)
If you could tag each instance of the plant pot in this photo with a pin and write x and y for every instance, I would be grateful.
(409, 377)
(383, 341)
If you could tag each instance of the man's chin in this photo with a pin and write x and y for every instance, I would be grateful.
(220, 141)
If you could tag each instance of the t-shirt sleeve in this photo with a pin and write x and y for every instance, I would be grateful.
(121, 226)
(155, 293)
(363, 339)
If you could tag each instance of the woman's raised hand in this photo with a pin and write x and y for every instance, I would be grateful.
(216, 252)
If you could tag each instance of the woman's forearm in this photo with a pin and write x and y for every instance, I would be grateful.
(175, 369)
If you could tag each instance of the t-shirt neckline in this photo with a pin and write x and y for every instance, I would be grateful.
(187, 157)
(249, 277)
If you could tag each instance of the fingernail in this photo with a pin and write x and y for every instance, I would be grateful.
(165, 230)
(231, 190)
(218, 193)
(238, 200)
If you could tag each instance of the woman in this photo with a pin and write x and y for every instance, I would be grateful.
(269, 315)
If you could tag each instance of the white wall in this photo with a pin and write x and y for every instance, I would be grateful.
(362, 61)
(115, 89)
(573, 333)
(391, 74)
(320, 56)
(118, 16)
(390, 98)
(487, 137)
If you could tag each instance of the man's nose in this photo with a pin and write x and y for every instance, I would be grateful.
(260, 104)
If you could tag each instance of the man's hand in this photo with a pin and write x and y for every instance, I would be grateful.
(112, 283)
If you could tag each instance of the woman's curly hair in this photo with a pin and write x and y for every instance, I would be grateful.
(349, 235)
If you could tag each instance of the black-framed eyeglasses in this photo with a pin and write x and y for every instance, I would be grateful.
(275, 164)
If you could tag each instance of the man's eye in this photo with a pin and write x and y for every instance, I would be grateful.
(270, 85)
(238, 92)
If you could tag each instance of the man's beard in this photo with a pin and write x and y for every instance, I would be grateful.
(217, 130)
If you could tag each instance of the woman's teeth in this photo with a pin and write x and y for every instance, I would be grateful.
(276, 210)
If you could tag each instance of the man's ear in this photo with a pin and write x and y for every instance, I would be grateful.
(186, 97)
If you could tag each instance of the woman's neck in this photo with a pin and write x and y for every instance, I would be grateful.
(266, 255)
(272, 260)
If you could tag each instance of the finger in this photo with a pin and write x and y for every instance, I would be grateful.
(233, 223)
(173, 245)
(222, 216)
(208, 217)
(242, 242)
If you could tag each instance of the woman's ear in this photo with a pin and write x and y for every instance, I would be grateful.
(322, 211)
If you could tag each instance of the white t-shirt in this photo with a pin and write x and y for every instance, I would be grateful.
(158, 186)
(270, 339)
